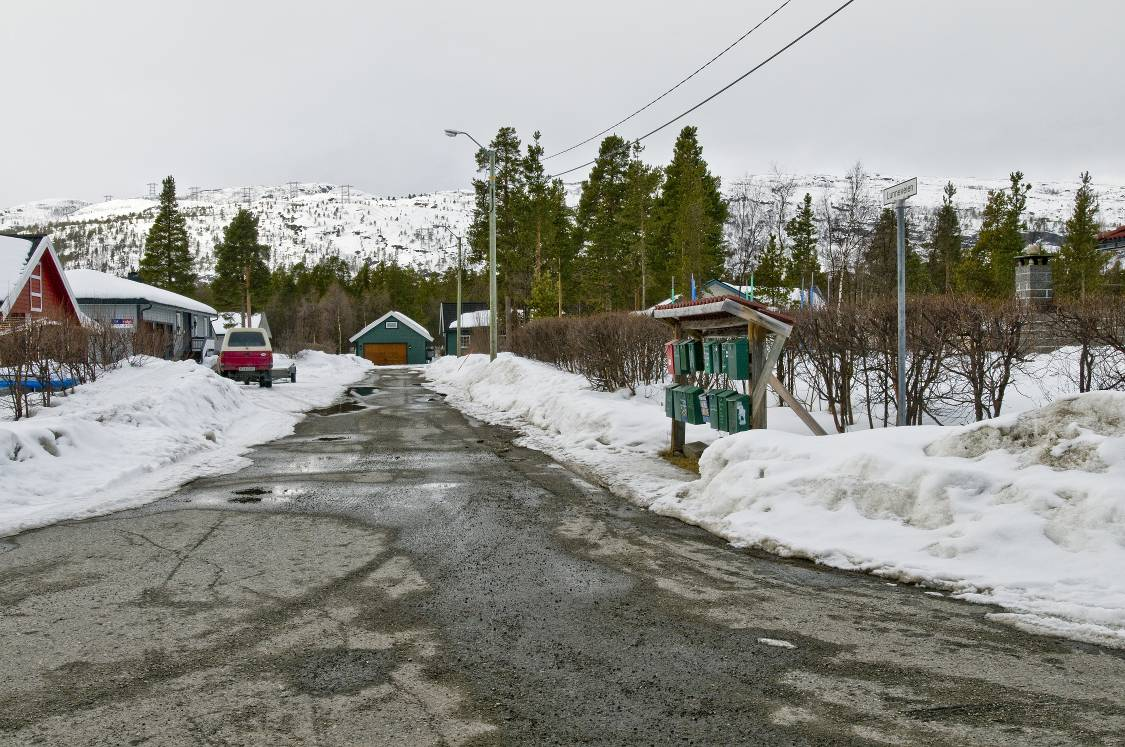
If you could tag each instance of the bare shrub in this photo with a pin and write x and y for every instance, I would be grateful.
(615, 350)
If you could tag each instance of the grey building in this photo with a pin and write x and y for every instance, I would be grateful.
(136, 307)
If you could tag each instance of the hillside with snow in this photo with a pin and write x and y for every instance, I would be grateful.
(308, 222)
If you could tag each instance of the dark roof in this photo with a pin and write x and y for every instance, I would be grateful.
(447, 314)
(751, 304)
(1116, 233)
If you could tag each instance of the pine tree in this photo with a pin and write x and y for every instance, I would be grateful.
(513, 261)
(690, 215)
(604, 261)
(803, 264)
(1001, 236)
(636, 218)
(945, 243)
(242, 275)
(1080, 268)
(769, 274)
(167, 262)
(878, 268)
(545, 223)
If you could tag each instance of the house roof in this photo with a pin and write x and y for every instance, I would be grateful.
(1114, 233)
(399, 316)
(447, 311)
(19, 254)
(91, 286)
(472, 320)
(718, 311)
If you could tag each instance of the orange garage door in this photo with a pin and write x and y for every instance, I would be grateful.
(385, 353)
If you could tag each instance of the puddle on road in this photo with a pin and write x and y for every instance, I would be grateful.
(338, 409)
(332, 438)
(363, 391)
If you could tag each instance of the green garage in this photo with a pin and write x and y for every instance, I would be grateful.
(393, 339)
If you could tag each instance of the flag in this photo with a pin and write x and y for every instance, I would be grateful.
(693, 286)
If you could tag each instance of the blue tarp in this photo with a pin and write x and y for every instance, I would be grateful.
(35, 385)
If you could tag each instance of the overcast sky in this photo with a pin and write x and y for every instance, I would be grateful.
(102, 98)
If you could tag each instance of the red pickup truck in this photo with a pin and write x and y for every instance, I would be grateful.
(246, 355)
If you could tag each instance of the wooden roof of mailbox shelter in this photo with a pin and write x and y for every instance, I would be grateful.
(724, 315)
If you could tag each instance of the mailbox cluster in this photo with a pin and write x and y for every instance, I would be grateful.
(725, 409)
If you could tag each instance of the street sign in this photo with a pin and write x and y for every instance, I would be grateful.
(900, 191)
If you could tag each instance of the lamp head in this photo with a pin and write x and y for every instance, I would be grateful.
(452, 133)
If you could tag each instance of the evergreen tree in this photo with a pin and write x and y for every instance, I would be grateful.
(605, 262)
(545, 223)
(988, 268)
(636, 218)
(242, 275)
(513, 261)
(690, 215)
(803, 263)
(167, 262)
(1080, 267)
(769, 274)
(945, 243)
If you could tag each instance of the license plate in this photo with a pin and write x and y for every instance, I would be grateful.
(246, 368)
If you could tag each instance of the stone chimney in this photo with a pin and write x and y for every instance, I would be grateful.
(1034, 285)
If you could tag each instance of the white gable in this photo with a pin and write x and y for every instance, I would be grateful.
(393, 315)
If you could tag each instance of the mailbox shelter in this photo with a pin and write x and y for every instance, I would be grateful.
(732, 332)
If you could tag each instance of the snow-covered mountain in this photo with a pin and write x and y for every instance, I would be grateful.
(311, 221)
(306, 222)
(1049, 204)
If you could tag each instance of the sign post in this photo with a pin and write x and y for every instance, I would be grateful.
(898, 194)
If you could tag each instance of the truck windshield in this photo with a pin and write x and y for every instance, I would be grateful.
(246, 340)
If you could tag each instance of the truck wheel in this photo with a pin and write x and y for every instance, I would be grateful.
(266, 381)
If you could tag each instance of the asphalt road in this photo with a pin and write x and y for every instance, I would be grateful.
(395, 573)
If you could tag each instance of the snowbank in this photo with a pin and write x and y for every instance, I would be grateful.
(139, 432)
(1025, 511)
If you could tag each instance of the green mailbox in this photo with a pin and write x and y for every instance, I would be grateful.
(736, 358)
(716, 406)
(738, 413)
(694, 354)
(688, 407)
(670, 401)
(713, 356)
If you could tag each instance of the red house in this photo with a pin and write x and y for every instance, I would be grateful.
(32, 282)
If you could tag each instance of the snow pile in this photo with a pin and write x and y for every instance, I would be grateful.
(1025, 511)
(139, 432)
(611, 436)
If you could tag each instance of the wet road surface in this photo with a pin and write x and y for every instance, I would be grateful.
(394, 573)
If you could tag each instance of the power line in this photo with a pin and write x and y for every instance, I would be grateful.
(722, 90)
(697, 71)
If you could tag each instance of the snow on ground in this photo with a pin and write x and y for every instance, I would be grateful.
(1026, 511)
(139, 432)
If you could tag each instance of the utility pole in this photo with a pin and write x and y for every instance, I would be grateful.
(457, 347)
(292, 190)
(152, 190)
(193, 192)
(898, 195)
(247, 194)
(493, 340)
(108, 198)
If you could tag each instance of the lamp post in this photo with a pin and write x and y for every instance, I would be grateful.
(492, 338)
(457, 347)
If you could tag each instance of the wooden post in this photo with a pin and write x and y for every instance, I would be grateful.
(758, 370)
(678, 426)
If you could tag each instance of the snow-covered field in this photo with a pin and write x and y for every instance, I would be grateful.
(138, 432)
(1026, 511)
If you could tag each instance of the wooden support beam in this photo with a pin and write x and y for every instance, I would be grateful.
(796, 406)
(758, 393)
(758, 371)
(676, 446)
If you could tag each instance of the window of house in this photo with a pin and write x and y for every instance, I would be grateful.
(36, 287)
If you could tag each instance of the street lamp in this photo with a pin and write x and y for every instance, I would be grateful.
(457, 348)
(492, 340)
